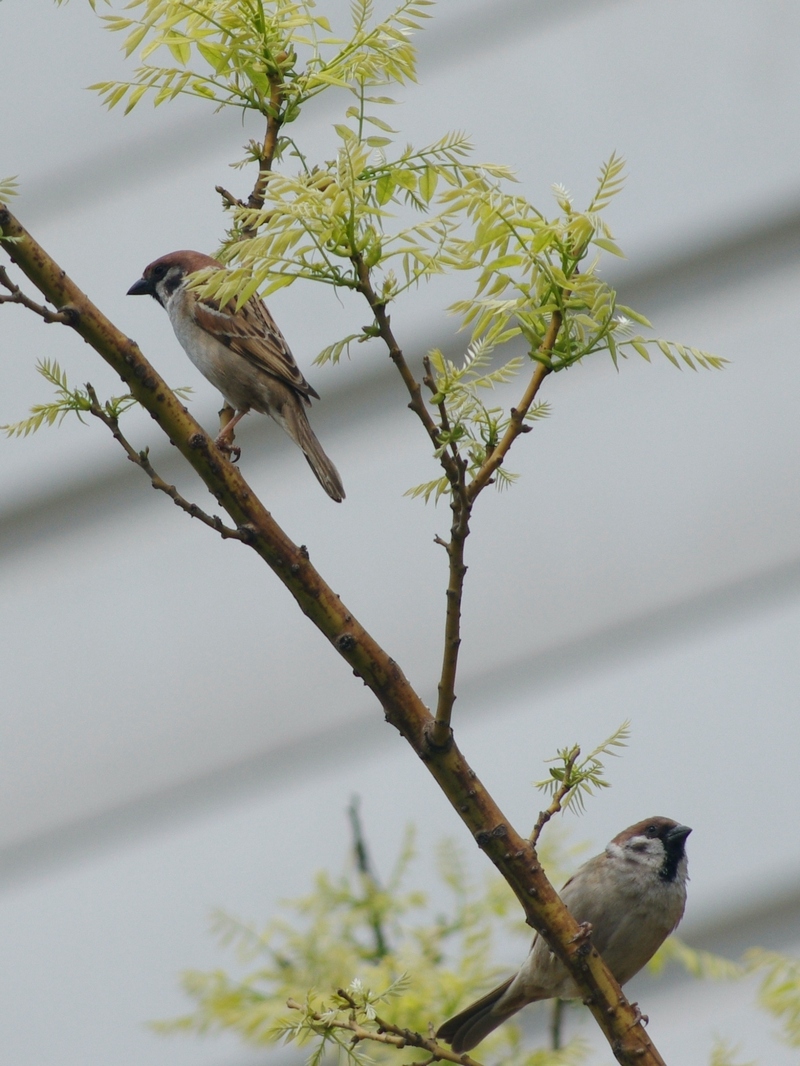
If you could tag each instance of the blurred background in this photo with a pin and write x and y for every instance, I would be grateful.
(171, 724)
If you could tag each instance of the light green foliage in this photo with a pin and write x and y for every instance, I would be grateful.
(470, 422)
(531, 267)
(780, 989)
(575, 781)
(8, 188)
(378, 219)
(702, 964)
(724, 1054)
(77, 401)
(228, 51)
(67, 400)
(422, 967)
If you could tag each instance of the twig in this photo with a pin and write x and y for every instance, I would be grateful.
(142, 460)
(517, 423)
(255, 200)
(459, 531)
(383, 323)
(228, 197)
(566, 786)
(443, 415)
(371, 881)
(556, 1024)
(18, 297)
(387, 1034)
(454, 469)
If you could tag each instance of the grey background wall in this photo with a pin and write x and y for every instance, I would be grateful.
(648, 566)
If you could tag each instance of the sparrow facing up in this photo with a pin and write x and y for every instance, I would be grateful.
(632, 895)
(242, 353)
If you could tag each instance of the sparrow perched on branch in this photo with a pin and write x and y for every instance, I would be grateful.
(242, 353)
(632, 895)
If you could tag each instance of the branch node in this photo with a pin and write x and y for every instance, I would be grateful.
(438, 738)
(484, 837)
(346, 642)
(228, 198)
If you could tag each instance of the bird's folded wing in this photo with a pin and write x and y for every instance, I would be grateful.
(252, 333)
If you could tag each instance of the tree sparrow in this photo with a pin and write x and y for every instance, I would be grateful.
(632, 895)
(242, 353)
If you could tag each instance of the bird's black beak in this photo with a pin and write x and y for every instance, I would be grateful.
(142, 287)
(680, 832)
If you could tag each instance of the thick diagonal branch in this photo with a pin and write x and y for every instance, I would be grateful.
(512, 854)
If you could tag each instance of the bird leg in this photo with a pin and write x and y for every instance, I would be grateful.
(643, 1018)
(228, 421)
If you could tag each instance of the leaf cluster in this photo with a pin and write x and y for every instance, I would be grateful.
(8, 188)
(725, 1054)
(573, 781)
(701, 964)
(779, 993)
(431, 962)
(68, 400)
(233, 52)
(380, 218)
(469, 426)
(342, 224)
(77, 401)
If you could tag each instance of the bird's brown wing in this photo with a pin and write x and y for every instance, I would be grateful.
(252, 333)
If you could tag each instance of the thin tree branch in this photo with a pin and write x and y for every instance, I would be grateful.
(417, 404)
(566, 786)
(517, 423)
(460, 504)
(459, 531)
(142, 460)
(17, 296)
(369, 879)
(228, 198)
(512, 854)
(556, 1024)
(387, 1034)
(255, 200)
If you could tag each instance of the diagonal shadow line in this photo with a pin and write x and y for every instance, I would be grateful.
(366, 731)
(146, 158)
(770, 244)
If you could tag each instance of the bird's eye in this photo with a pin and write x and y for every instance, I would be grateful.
(652, 830)
(159, 271)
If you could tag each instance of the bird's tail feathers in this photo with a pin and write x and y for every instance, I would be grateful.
(463, 1031)
(296, 424)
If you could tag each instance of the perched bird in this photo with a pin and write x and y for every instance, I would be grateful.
(632, 895)
(242, 353)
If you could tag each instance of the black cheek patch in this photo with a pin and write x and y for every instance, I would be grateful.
(171, 283)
